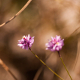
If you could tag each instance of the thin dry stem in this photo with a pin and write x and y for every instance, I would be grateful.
(22, 9)
(79, 24)
(38, 73)
(77, 56)
(73, 32)
(76, 65)
(7, 69)
(4, 66)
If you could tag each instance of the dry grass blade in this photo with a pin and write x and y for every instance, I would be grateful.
(17, 13)
(77, 60)
(73, 32)
(40, 69)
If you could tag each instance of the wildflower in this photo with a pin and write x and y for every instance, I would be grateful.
(55, 44)
(26, 42)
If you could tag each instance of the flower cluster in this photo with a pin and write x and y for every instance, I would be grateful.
(55, 44)
(26, 42)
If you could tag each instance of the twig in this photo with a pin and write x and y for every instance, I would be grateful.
(22, 9)
(7, 69)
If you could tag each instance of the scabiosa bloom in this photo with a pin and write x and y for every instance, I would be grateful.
(55, 44)
(26, 42)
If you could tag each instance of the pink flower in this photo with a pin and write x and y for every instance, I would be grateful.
(26, 42)
(55, 44)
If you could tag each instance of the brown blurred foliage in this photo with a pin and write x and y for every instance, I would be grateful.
(42, 19)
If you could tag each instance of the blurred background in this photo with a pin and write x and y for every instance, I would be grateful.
(42, 19)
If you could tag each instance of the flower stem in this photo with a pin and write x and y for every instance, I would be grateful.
(64, 65)
(45, 64)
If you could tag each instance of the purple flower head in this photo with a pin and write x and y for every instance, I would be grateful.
(26, 42)
(55, 44)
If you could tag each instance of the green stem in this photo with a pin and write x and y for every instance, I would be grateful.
(45, 64)
(64, 66)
